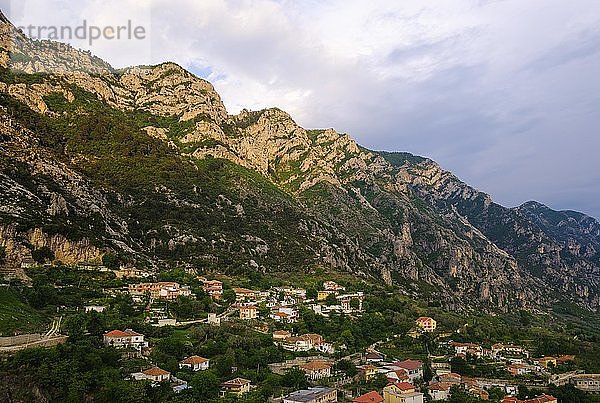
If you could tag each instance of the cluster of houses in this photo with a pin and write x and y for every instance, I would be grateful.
(516, 358)
(133, 341)
(214, 288)
(305, 342)
(164, 290)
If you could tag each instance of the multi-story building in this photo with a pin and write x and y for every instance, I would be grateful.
(214, 288)
(413, 368)
(312, 395)
(125, 339)
(248, 312)
(237, 386)
(316, 370)
(426, 324)
(195, 363)
(401, 392)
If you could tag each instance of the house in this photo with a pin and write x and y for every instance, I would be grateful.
(374, 357)
(281, 335)
(322, 295)
(318, 394)
(426, 324)
(284, 315)
(464, 348)
(243, 294)
(248, 312)
(499, 350)
(214, 288)
(237, 386)
(586, 382)
(546, 361)
(195, 363)
(371, 397)
(451, 378)
(95, 308)
(315, 370)
(297, 343)
(131, 272)
(368, 372)
(306, 342)
(397, 375)
(439, 391)
(213, 319)
(440, 367)
(346, 301)
(518, 369)
(126, 339)
(167, 290)
(413, 368)
(401, 392)
(290, 295)
(333, 286)
(154, 374)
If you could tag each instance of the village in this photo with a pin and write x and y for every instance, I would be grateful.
(331, 370)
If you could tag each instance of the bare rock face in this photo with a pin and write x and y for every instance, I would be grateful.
(313, 197)
(169, 90)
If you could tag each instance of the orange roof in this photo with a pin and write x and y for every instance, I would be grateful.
(313, 337)
(282, 314)
(234, 383)
(119, 333)
(155, 371)
(239, 290)
(371, 397)
(424, 319)
(248, 307)
(194, 360)
(404, 386)
(440, 386)
(409, 364)
(316, 365)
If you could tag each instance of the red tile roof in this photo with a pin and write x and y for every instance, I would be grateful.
(371, 397)
(404, 386)
(316, 365)
(409, 364)
(156, 372)
(234, 383)
(119, 333)
(194, 360)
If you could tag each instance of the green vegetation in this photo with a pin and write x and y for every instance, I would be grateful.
(16, 316)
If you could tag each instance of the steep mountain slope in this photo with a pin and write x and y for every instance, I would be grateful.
(146, 163)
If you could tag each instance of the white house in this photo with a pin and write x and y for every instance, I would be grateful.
(126, 339)
(195, 363)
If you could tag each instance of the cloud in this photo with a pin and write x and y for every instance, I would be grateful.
(503, 93)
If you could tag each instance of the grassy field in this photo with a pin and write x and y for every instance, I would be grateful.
(17, 317)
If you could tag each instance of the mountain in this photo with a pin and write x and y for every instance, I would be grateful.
(146, 164)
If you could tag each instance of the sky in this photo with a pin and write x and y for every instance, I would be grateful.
(505, 94)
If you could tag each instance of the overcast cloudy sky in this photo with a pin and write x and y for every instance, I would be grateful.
(506, 94)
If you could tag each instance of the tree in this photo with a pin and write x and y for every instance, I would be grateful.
(347, 367)
(2, 254)
(111, 261)
(42, 255)
(331, 299)
(294, 378)
(205, 385)
(229, 296)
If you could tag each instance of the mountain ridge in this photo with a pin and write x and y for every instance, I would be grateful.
(147, 164)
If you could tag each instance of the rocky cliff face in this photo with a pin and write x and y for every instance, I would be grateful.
(146, 163)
